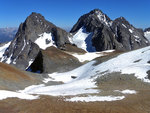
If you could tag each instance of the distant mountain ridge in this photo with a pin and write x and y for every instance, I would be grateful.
(7, 34)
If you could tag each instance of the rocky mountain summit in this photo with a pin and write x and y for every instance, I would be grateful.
(102, 33)
(34, 34)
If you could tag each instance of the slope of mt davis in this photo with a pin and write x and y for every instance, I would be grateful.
(100, 66)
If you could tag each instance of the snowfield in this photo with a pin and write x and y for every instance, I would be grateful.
(81, 79)
(3, 48)
(147, 35)
(45, 40)
(83, 40)
(10, 94)
(81, 85)
(90, 55)
(127, 91)
(95, 98)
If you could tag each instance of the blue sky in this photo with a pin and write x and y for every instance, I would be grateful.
(65, 13)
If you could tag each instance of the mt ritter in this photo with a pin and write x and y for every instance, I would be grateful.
(100, 66)
(94, 31)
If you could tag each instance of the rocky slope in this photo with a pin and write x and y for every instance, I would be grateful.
(53, 60)
(34, 34)
(100, 33)
(12, 78)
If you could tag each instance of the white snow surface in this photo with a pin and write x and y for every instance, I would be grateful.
(134, 62)
(147, 35)
(102, 18)
(82, 79)
(131, 31)
(124, 25)
(10, 94)
(83, 40)
(43, 38)
(136, 36)
(81, 85)
(96, 98)
(3, 48)
(87, 56)
(30, 62)
(8, 61)
(127, 91)
(90, 56)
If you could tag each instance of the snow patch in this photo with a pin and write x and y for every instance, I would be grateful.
(83, 40)
(67, 76)
(82, 84)
(30, 62)
(10, 94)
(102, 18)
(8, 60)
(3, 48)
(127, 91)
(96, 98)
(87, 56)
(82, 79)
(136, 36)
(45, 40)
(90, 56)
(138, 40)
(119, 64)
(124, 25)
(131, 31)
(147, 35)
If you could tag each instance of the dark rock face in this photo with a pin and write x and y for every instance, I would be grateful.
(53, 60)
(107, 34)
(23, 49)
(126, 34)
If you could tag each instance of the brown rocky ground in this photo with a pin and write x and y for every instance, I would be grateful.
(12, 78)
(136, 103)
(55, 60)
(133, 103)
